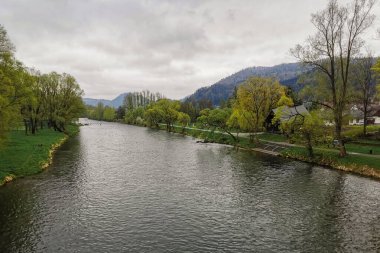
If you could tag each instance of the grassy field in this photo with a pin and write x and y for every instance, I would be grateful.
(23, 155)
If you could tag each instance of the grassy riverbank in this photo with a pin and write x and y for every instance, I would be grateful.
(358, 164)
(23, 155)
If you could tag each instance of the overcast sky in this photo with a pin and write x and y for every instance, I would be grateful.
(173, 47)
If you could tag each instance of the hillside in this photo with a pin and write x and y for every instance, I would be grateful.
(287, 74)
(116, 102)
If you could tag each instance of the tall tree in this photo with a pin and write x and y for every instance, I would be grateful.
(13, 89)
(217, 119)
(256, 97)
(364, 86)
(332, 48)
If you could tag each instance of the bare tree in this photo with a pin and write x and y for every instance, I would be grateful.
(332, 48)
(364, 86)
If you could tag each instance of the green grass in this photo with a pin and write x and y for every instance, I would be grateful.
(364, 149)
(331, 158)
(23, 155)
(357, 131)
(272, 137)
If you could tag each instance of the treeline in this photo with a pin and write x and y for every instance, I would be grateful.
(38, 100)
(245, 111)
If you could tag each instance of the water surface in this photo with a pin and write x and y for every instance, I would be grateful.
(120, 188)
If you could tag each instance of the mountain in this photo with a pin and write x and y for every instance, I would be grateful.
(116, 102)
(287, 74)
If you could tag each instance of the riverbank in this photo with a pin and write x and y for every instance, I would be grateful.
(360, 164)
(23, 155)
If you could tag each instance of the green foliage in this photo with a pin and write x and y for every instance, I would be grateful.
(13, 91)
(135, 116)
(109, 113)
(27, 95)
(376, 70)
(217, 119)
(354, 163)
(169, 109)
(255, 99)
(183, 119)
(153, 116)
(307, 127)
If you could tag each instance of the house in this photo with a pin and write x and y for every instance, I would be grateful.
(357, 116)
(286, 114)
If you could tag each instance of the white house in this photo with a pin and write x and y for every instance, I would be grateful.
(357, 116)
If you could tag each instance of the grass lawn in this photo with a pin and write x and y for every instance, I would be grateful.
(331, 158)
(23, 155)
(364, 149)
(357, 131)
(272, 137)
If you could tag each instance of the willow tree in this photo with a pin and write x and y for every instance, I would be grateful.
(331, 49)
(255, 99)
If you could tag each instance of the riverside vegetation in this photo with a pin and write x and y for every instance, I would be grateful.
(36, 113)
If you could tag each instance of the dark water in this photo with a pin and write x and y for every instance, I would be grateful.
(119, 188)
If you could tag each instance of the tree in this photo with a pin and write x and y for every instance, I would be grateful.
(376, 70)
(153, 116)
(99, 111)
(217, 119)
(120, 112)
(365, 86)
(331, 49)
(109, 113)
(308, 127)
(12, 88)
(169, 109)
(6, 46)
(32, 109)
(61, 99)
(256, 97)
(183, 119)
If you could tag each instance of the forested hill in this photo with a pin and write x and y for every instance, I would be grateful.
(116, 102)
(287, 74)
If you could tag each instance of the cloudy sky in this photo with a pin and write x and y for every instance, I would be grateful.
(170, 46)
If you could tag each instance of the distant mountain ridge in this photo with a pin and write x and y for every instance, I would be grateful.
(287, 74)
(116, 102)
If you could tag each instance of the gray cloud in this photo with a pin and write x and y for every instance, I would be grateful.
(169, 46)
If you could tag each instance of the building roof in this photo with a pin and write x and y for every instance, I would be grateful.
(289, 112)
(374, 111)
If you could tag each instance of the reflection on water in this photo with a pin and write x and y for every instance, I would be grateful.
(119, 188)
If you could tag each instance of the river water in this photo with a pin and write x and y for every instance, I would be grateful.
(120, 188)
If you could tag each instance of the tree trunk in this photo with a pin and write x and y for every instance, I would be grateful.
(233, 137)
(32, 126)
(309, 145)
(365, 122)
(338, 136)
(26, 126)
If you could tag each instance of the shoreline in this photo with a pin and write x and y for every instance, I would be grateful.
(42, 164)
(360, 170)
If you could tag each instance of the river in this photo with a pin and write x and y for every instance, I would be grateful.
(120, 188)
